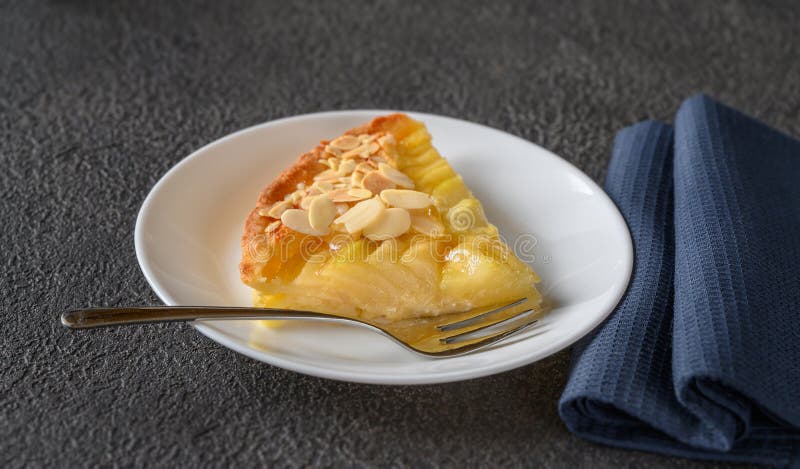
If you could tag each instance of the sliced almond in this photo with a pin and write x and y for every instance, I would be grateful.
(327, 174)
(356, 178)
(408, 199)
(350, 213)
(396, 176)
(392, 223)
(376, 182)
(426, 224)
(360, 193)
(342, 195)
(363, 151)
(277, 209)
(297, 220)
(297, 196)
(351, 154)
(306, 202)
(273, 226)
(346, 167)
(361, 215)
(323, 185)
(346, 142)
(365, 167)
(341, 208)
(321, 212)
(332, 150)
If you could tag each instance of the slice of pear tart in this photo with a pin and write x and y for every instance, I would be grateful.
(375, 224)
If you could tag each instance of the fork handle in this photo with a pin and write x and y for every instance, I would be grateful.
(100, 317)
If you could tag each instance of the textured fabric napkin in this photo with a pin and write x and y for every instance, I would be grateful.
(701, 358)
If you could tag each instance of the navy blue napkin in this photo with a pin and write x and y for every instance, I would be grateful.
(701, 358)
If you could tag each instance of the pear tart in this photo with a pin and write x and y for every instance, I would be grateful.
(375, 224)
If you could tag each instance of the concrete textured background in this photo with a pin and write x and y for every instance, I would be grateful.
(99, 99)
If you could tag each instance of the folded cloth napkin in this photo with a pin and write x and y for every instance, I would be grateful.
(701, 358)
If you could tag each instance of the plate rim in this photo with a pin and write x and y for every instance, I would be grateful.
(348, 376)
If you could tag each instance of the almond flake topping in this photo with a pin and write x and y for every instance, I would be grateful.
(366, 138)
(277, 209)
(351, 195)
(365, 167)
(297, 220)
(407, 199)
(346, 167)
(391, 223)
(323, 185)
(376, 182)
(321, 212)
(273, 226)
(357, 152)
(361, 215)
(360, 193)
(395, 176)
(327, 174)
(330, 149)
(306, 202)
(345, 142)
(356, 178)
(343, 195)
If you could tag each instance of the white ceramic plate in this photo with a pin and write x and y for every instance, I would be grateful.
(189, 227)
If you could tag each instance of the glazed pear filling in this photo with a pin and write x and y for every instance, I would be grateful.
(384, 230)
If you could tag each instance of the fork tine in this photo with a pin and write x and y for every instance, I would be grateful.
(478, 318)
(471, 334)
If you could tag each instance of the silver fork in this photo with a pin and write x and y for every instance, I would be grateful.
(431, 337)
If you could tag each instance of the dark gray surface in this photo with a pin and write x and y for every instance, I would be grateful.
(98, 100)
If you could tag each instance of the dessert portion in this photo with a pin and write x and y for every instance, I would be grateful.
(376, 225)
